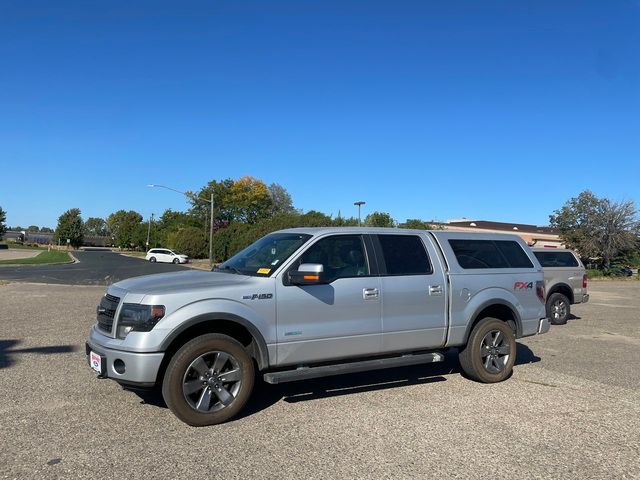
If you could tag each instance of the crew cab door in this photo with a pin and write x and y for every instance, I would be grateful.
(414, 293)
(337, 319)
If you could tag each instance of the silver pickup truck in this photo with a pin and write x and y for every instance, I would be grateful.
(565, 281)
(310, 302)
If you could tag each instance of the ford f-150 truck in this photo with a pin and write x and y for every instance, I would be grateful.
(309, 302)
(565, 281)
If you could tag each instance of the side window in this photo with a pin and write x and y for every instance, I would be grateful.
(341, 255)
(515, 255)
(404, 255)
(556, 259)
(490, 254)
(478, 254)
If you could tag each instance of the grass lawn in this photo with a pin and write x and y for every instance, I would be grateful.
(54, 256)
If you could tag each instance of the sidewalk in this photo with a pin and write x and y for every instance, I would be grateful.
(16, 254)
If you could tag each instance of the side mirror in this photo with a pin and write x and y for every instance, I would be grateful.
(307, 274)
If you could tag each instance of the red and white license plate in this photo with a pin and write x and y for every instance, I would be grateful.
(95, 361)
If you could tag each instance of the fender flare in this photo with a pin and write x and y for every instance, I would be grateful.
(558, 286)
(262, 355)
(489, 303)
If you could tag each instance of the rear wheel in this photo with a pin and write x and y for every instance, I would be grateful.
(558, 308)
(208, 380)
(490, 351)
(152, 259)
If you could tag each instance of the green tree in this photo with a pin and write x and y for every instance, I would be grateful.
(416, 224)
(280, 199)
(3, 226)
(244, 200)
(597, 227)
(33, 229)
(379, 219)
(163, 229)
(124, 226)
(46, 230)
(96, 226)
(70, 227)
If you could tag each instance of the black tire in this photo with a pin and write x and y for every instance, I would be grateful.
(488, 357)
(176, 261)
(558, 308)
(152, 259)
(179, 377)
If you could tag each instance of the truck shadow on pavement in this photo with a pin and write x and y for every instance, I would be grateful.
(8, 351)
(266, 395)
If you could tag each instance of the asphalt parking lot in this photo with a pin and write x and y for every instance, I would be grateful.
(571, 409)
(99, 267)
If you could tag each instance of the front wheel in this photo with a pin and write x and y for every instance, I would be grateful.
(176, 261)
(558, 308)
(208, 380)
(490, 351)
(152, 259)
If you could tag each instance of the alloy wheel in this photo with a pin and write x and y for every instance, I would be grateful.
(212, 381)
(495, 351)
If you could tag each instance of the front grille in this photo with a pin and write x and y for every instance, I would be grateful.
(106, 311)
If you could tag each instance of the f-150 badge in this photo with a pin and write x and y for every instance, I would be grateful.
(258, 296)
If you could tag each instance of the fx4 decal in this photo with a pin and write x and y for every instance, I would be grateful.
(523, 286)
(258, 296)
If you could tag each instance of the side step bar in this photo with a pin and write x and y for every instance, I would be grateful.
(304, 373)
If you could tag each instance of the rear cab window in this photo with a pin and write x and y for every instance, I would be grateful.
(403, 255)
(485, 254)
(556, 259)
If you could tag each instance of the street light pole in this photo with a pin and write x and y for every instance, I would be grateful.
(359, 204)
(190, 195)
(149, 230)
(211, 233)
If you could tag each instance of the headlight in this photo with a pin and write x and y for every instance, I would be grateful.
(138, 318)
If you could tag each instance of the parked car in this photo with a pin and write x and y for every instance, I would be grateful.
(565, 281)
(311, 302)
(626, 271)
(166, 255)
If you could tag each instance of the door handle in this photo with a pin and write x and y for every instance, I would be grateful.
(435, 290)
(370, 293)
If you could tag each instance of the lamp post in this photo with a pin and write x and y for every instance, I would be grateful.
(196, 198)
(149, 230)
(359, 204)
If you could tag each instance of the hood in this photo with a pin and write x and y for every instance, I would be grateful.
(173, 282)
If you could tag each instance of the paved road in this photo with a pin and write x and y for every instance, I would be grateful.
(571, 409)
(94, 268)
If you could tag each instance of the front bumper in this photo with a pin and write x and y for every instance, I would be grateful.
(138, 369)
(544, 326)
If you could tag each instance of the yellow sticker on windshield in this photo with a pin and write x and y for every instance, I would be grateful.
(264, 271)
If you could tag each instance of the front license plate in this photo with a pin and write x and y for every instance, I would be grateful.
(95, 360)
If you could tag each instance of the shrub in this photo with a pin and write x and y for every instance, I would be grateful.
(593, 273)
(192, 241)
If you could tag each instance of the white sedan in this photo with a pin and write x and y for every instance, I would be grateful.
(165, 255)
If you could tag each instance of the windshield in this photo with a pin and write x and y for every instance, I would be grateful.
(264, 256)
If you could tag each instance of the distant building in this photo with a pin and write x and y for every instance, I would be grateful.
(47, 239)
(532, 234)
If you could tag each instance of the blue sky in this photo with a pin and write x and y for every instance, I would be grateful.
(488, 110)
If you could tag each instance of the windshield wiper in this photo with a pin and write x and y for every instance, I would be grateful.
(228, 269)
